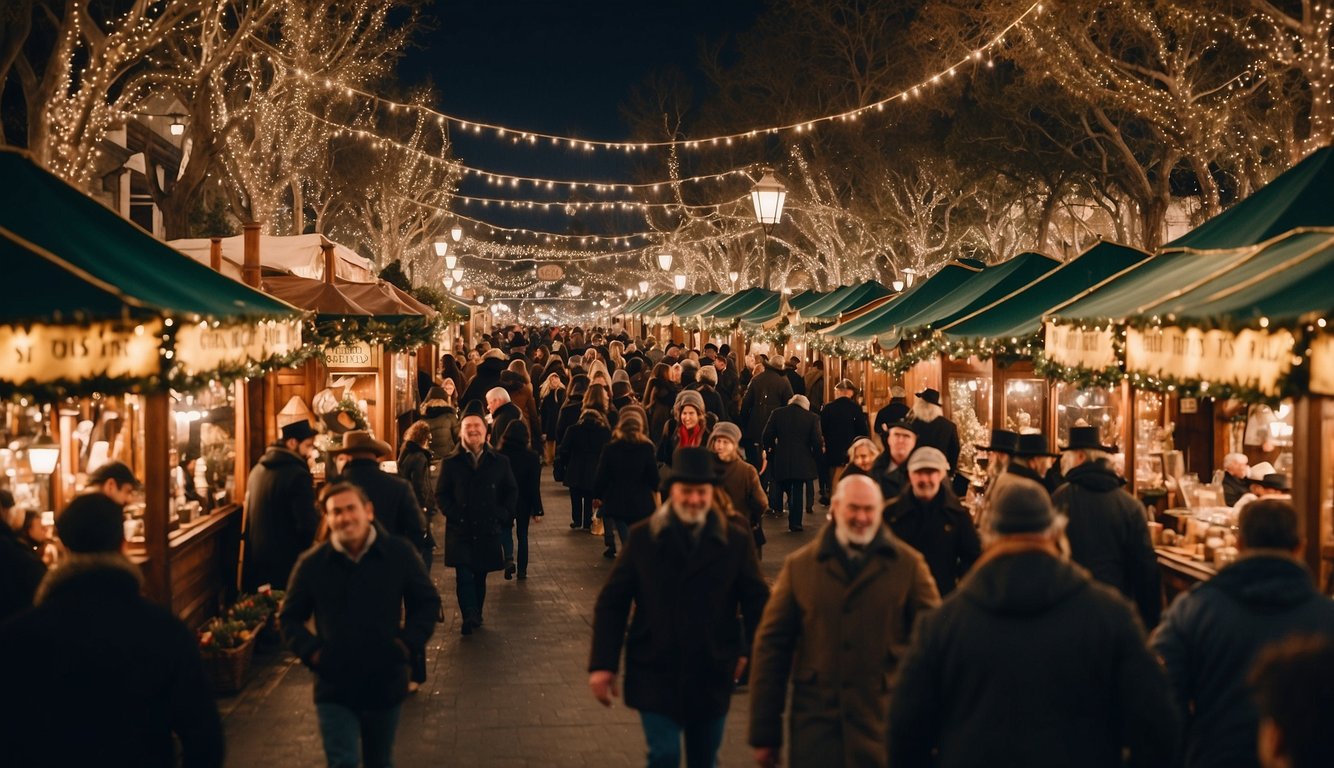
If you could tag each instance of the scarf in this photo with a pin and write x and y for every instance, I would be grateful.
(689, 438)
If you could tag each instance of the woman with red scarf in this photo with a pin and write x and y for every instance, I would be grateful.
(688, 427)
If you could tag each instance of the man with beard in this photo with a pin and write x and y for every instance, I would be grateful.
(931, 520)
(841, 613)
(687, 571)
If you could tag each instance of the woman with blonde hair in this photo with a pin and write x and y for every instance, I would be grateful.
(616, 353)
(861, 456)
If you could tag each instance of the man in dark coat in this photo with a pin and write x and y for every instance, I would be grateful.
(21, 570)
(1030, 663)
(1031, 459)
(929, 517)
(842, 421)
(728, 384)
(1210, 637)
(99, 675)
(794, 378)
(486, 378)
(891, 467)
(933, 429)
(768, 391)
(395, 503)
(795, 446)
(372, 602)
(281, 518)
(895, 411)
(841, 614)
(1108, 530)
(477, 496)
(688, 573)
(502, 413)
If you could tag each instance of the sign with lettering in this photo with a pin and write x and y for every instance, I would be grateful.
(1322, 364)
(1068, 345)
(201, 348)
(550, 273)
(1248, 358)
(47, 353)
(359, 356)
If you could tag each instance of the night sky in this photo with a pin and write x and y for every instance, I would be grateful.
(558, 66)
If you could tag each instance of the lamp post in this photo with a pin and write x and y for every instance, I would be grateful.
(457, 273)
(441, 248)
(456, 232)
(732, 277)
(177, 127)
(909, 274)
(768, 196)
(665, 260)
(897, 285)
(43, 455)
(680, 281)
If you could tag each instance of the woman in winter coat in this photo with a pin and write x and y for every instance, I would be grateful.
(552, 396)
(625, 486)
(598, 398)
(577, 459)
(443, 421)
(574, 405)
(689, 427)
(739, 480)
(634, 367)
(659, 399)
(516, 382)
(527, 468)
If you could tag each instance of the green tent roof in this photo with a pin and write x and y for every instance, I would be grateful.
(802, 301)
(697, 302)
(885, 317)
(667, 309)
(1302, 196)
(47, 212)
(772, 306)
(1020, 313)
(83, 297)
(739, 304)
(1123, 294)
(643, 306)
(839, 300)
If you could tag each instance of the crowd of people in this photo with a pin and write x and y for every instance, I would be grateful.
(907, 628)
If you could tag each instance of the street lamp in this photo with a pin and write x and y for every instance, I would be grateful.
(629, 293)
(177, 127)
(441, 248)
(665, 260)
(43, 455)
(680, 281)
(457, 272)
(456, 232)
(897, 285)
(643, 286)
(768, 196)
(909, 274)
(734, 276)
(449, 282)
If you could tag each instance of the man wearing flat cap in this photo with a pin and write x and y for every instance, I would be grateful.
(392, 498)
(688, 572)
(101, 676)
(930, 518)
(281, 518)
(1030, 662)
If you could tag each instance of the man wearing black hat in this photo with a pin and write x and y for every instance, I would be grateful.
(891, 467)
(281, 519)
(1032, 460)
(102, 676)
(933, 429)
(997, 452)
(895, 411)
(477, 495)
(687, 572)
(841, 422)
(1108, 531)
(1030, 662)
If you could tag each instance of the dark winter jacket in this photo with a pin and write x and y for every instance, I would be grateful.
(1109, 535)
(21, 570)
(414, 465)
(713, 402)
(477, 503)
(939, 433)
(1234, 488)
(521, 396)
(682, 647)
(728, 386)
(550, 412)
(625, 480)
(393, 498)
(842, 421)
(941, 529)
(768, 392)
(569, 414)
(97, 675)
(892, 481)
(444, 421)
(895, 411)
(486, 379)
(795, 379)
(358, 608)
(1209, 639)
(1030, 663)
(281, 517)
(741, 482)
(1025, 471)
(527, 469)
(500, 419)
(579, 452)
(794, 442)
(660, 407)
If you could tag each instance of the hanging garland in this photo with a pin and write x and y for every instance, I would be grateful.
(401, 335)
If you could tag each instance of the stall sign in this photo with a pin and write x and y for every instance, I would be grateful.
(48, 353)
(1322, 364)
(1086, 348)
(550, 273)
(358, 356)
(201, 347)
(1249, 358)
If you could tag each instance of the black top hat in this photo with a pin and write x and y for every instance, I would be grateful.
(1002, 441)
(1277, 482)
(930, 395)
(1032, 445)
(901, 424)
(473, 408)
(693, 465)
(298, 430)
(1086, 439)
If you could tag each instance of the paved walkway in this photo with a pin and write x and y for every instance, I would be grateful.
(515, 693)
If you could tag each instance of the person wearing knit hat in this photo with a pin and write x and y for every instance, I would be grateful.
(688, 427)
(739, 479)
(123, 672)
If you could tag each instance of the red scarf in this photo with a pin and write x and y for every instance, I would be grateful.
(689, 438)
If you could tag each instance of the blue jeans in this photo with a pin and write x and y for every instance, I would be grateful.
(703, 739)
(356, 736)
(795, 490)
(470, 587)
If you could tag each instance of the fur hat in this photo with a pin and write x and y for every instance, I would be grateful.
(688, 397)
(632, 410)
(801, 400)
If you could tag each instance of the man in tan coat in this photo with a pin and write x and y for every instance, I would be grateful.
(837, 623)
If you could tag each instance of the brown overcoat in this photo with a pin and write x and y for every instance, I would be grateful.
(839, 640)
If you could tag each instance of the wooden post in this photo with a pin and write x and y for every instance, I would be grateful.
(157, 498)
(1307, 453)
(330, 261)
(250, 266)
(215, 253)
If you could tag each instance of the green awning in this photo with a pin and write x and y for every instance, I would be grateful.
(1121, 295)
(909, 303)
(801, 301)
(1302, 196)
(771, 308)
(696, 303)
(44, 210)
(1020, 313)
(644, 306)
(829, 306)
(83, 298)
(739, 304)
(666, 311)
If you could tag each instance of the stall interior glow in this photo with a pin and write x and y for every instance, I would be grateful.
(768, 196)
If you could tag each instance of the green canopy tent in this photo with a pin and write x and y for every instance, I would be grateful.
(910, 302)
(85, 298)
(1302, 196)
(643, 303)
(1019, 314)
(692, 306)
(738, 304)
(771, 310)
(829, 306)
(665, 313)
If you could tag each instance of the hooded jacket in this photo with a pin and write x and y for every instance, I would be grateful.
(1209, 639)
(1030, 663)
(281, 517)
(486, 379)
(1109, 535)
(444, 423)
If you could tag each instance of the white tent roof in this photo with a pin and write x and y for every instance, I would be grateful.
(298, 254)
